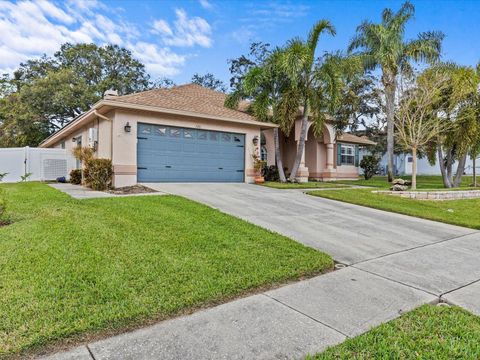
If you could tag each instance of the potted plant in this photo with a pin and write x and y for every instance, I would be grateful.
(258, 165)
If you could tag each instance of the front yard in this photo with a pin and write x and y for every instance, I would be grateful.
(429, 332)
(74, 269)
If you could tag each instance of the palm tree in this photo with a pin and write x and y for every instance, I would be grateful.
(273, 99)
(298, 62)
(383, 45)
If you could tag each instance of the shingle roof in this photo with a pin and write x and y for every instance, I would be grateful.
(350, 138)
(189, 97)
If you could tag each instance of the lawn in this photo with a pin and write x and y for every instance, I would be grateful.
(429, 332)
(307, 185)
(457, 212)
(423, 181)
(74, 269)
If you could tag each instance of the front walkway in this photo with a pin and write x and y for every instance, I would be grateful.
(396, 264)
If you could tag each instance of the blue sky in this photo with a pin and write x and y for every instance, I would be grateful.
(178, 38)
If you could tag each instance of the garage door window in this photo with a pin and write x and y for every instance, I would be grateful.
(160, 131)
(187, 134)
(146, 129)
(202, 135)
(174, 132)
(237, 139)
(226, 137)
(213, 136)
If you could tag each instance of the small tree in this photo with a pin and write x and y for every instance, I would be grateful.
(417, 122)
(370, 166)
(83, 154)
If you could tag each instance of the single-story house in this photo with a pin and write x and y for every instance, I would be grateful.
(186, 134)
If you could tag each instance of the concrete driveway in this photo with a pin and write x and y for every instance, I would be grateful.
(349, 233)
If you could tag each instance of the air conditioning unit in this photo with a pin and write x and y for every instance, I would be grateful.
(92, 138)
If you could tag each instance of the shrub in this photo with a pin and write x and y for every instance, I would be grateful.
(98, 173)
(370, 166)
(76, 176)
(270, 173)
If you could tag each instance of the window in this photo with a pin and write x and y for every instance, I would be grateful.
(410, 159)
(263, 153)
(146, 130)
(188, 134)
(226, 137)
(348, 155)
(202, 135)
(213, 136)
(175, 132)
(160, 130)
(62, 145)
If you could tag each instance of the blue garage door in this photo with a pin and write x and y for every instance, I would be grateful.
(174, 154)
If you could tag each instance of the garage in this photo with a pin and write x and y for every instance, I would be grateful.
(180, 154)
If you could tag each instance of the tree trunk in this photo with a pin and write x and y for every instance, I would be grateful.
(446, 181)
(450, 166)
(278, 156)
(390, 103)
(474, 161)
(460, 171)
(414, 168)
(301, 144)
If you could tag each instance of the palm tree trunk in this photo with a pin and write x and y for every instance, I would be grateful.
(278, 156)
(443, 171)
(390, 104)
(414, 168)
(301, 144)
(474, 161)
(460, 171)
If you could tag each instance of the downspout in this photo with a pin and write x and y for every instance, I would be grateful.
(111, 131)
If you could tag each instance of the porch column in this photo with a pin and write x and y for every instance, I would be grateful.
(302, 174)
(330, 156)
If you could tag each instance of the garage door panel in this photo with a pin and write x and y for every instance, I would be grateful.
(173, 154)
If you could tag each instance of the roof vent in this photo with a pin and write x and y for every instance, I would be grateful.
(110, 93)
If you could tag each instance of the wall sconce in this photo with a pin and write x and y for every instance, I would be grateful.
(74, 139)
(127, 127)
(255, 140)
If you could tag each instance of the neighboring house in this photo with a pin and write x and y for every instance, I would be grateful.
(403, 165)
(186, 134)
(326, 157)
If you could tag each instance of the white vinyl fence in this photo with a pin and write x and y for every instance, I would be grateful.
(43, 164)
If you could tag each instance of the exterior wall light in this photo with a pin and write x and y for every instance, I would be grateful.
(74, 139)
(255, 140)
(127, 127)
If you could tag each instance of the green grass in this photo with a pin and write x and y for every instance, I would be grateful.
(423, 181)
(307, 185)
(72, 268)
(457, 212)
(429, 332)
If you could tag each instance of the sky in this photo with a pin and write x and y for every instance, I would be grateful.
(176, 39)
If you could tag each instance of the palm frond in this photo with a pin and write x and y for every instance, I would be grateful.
(322, 26)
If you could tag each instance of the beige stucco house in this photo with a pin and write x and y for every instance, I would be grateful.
(186, 134)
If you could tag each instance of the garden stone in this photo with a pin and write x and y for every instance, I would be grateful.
(398, 187)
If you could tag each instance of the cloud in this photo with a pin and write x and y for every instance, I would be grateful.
(186, 31)
(30, 29)
(205, 4)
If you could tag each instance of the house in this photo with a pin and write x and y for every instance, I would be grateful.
(186, 134)
(403, 165)
(327, 157)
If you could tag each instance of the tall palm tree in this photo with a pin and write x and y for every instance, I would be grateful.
(298, 62)
(383, 45)
(272, 99)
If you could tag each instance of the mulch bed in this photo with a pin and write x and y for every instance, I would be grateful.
(136, 189)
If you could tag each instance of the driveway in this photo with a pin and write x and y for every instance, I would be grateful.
(349, 233)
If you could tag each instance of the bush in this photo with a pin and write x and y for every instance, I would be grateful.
(76, 177)
(98, 174)
(270, 173)
(370, 166)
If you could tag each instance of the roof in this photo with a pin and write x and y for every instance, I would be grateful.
(189, 97)
(187, 100)
(350, 138)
